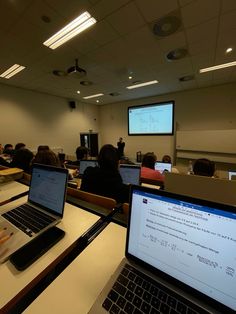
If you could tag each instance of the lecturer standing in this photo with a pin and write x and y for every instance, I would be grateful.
(120, 147)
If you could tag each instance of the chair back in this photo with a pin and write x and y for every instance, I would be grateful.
(103, 201)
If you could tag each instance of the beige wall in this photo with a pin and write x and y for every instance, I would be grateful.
(202, 109)
(35, 118)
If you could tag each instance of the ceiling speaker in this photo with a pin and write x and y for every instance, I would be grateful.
(72, 104)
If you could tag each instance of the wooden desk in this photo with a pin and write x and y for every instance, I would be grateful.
(75, 290)
(16, 285)
(10, 189)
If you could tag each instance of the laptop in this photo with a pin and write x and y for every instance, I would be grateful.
(44, 209)
(86, 163)
(232, 174)
(130, 174)
(162, 166)
(180, 257)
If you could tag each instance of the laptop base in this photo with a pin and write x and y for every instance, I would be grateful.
(30, 252)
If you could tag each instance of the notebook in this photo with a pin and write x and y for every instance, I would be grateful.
(180, 257)
(130, 174)
(43, 209)
(232, 174)
(86, 163)
(162, 166)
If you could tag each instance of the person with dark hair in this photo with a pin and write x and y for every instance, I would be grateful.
(22, 159)
(204, 167)
(8, 149)
(148, 168)
(120, 147)
(105, 179)
(47, 157)
(19, 146)
(166, 159)
(42, 147)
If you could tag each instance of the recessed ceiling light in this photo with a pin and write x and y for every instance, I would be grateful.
(228, 50)
(130, 77)
(218, 67)
(142, 84)
(78, 92)
(16, 68)
(72, 29)
(92, 96)
(97, 100)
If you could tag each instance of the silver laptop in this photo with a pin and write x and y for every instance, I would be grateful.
(232, 174)
(180, 257)
(85, 164)
(130, 174)
(44, 209)
(162, 166)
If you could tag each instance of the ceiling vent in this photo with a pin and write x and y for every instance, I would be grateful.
(86, 83)
(114, 94)
(186, 78)
(166, 26)
(177, 54)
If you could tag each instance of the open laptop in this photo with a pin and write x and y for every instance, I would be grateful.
(130, 174)
(86, 163)
(162, 166)
(180, 257)
(44, 209)
(232, 174)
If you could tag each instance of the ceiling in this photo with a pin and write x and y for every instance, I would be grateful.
(121, 42)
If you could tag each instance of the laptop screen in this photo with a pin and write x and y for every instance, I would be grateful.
(130, 174)
(162, 166)
(232, 175)
(86, 163)
(48, 188)
(190, 240)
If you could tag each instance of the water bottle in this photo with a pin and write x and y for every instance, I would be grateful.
(190, 167)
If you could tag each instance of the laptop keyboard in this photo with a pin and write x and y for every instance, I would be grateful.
(136, 293)
(28, 219)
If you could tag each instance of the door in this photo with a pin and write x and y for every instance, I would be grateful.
(90, 140)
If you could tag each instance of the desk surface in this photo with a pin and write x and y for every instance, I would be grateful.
(76, 289)
(17, 284)
(10, 189)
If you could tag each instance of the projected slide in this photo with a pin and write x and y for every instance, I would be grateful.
(151, 119)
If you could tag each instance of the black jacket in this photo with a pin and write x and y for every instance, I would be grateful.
(105, 182)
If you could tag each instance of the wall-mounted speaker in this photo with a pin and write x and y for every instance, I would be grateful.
(72, 104)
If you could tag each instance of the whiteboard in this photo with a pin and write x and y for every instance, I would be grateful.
(215, 141)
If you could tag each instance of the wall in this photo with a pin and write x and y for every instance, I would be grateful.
(212, 108)
(35, 118)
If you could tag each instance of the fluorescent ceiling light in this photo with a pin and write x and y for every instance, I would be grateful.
(142, 84)
(75, 27)
(217, 67)
(12, 71)
(92, 96)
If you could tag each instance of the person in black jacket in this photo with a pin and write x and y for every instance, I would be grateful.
(105, 179)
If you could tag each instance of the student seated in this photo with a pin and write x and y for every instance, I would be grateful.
(148, 168)
(47, 157)
(19, 146)
(42, 147)
(204, 167)
(82, 152)
(22, 159)
(8, 150)
(105, 179)
(167, 159)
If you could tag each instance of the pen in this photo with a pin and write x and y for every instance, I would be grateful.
(7, 237)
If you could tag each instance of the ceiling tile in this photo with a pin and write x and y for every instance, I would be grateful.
(200, 11)
(156, 8)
